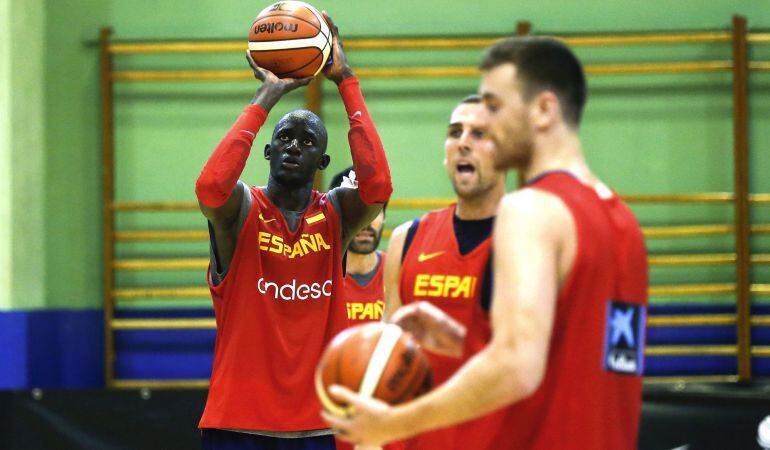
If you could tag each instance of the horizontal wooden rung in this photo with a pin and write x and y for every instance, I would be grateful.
(162, 324)
(159, 384)
(690, 320)
(161, 264)
(161, 292)
(691, 350)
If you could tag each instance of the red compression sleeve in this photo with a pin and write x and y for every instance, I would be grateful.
(220, 174)
(369, 162)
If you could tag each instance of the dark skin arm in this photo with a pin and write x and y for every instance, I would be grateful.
(224, 219)
(355, 213)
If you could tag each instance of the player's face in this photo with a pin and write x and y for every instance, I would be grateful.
(368, 239)
(509, 124)
(295, 152)
(470, 152)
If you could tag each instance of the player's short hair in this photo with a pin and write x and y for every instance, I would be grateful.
(337, 182)
(543, 63)
(311, 119)
(473, 98)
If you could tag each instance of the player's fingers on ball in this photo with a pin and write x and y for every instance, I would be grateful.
(343, 394)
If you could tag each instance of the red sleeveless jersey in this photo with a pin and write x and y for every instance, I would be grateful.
(434, 270)
(276, 309)
(365, 303)
(590, 397)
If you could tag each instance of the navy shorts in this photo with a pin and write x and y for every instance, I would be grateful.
(214, 439)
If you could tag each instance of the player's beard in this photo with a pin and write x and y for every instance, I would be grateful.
(514, 143)
(364, 248)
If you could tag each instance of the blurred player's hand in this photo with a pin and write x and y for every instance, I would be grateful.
(432, 328)
(339, 69)
(367, 425)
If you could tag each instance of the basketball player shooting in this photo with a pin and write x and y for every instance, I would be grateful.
(276, 263)
(570, 285)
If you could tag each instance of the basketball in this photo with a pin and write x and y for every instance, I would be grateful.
(376, 360)
(290, 39)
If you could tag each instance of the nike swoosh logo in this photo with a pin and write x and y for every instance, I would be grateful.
(357, 113)
(253, 134)
(422, 257)
(265, 220)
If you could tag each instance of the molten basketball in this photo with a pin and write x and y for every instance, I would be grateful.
(374, 359)
(290, 39)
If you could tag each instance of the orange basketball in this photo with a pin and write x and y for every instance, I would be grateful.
(290, 39)
(374, 359)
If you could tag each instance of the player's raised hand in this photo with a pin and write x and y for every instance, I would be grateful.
(432, 328)
(339, 69)
(272, 88)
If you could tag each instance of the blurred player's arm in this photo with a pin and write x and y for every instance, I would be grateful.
(531, 231)
(359, 206)
(219, 193)
(392, 270)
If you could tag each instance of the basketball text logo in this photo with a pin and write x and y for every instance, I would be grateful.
(275, 27)
(307, 243)
(447, 286)
(365, 311)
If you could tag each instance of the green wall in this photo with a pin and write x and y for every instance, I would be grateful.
(642, 134)
(22, 160)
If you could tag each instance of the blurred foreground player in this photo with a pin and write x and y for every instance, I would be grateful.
(364, 290)
(276, 270)
(444, 258)
(570, 288)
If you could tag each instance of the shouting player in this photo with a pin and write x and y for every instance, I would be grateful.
(276, 264)
(444, 258)
(570, 288)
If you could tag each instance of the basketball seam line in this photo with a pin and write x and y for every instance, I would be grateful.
(379, 359)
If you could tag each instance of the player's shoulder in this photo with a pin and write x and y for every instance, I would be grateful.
(533, 206)
(400, 231)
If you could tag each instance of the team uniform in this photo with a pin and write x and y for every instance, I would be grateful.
(281, 300)
(590, 396)
(365, 294)
(364, 301)
(446, 261)
(275, 313)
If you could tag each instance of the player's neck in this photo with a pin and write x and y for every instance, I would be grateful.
(361, 264)
(480, 207)
(560, 151)
(292, 198)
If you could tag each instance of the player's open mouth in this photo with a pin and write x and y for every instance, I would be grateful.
(290, 163)
(465, 168)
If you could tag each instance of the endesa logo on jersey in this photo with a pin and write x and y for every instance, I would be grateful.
(447, 286)
(624, 338)
(295, 291)
(365, 310)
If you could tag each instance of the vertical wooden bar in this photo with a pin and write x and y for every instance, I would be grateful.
(108, 192)
(741, 179)
(523, 28)
(313, 99)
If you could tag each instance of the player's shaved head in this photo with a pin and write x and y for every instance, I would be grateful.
(313, 122)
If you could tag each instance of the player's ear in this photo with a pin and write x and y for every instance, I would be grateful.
(267, 151)
(545, 109)
(324, 162)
